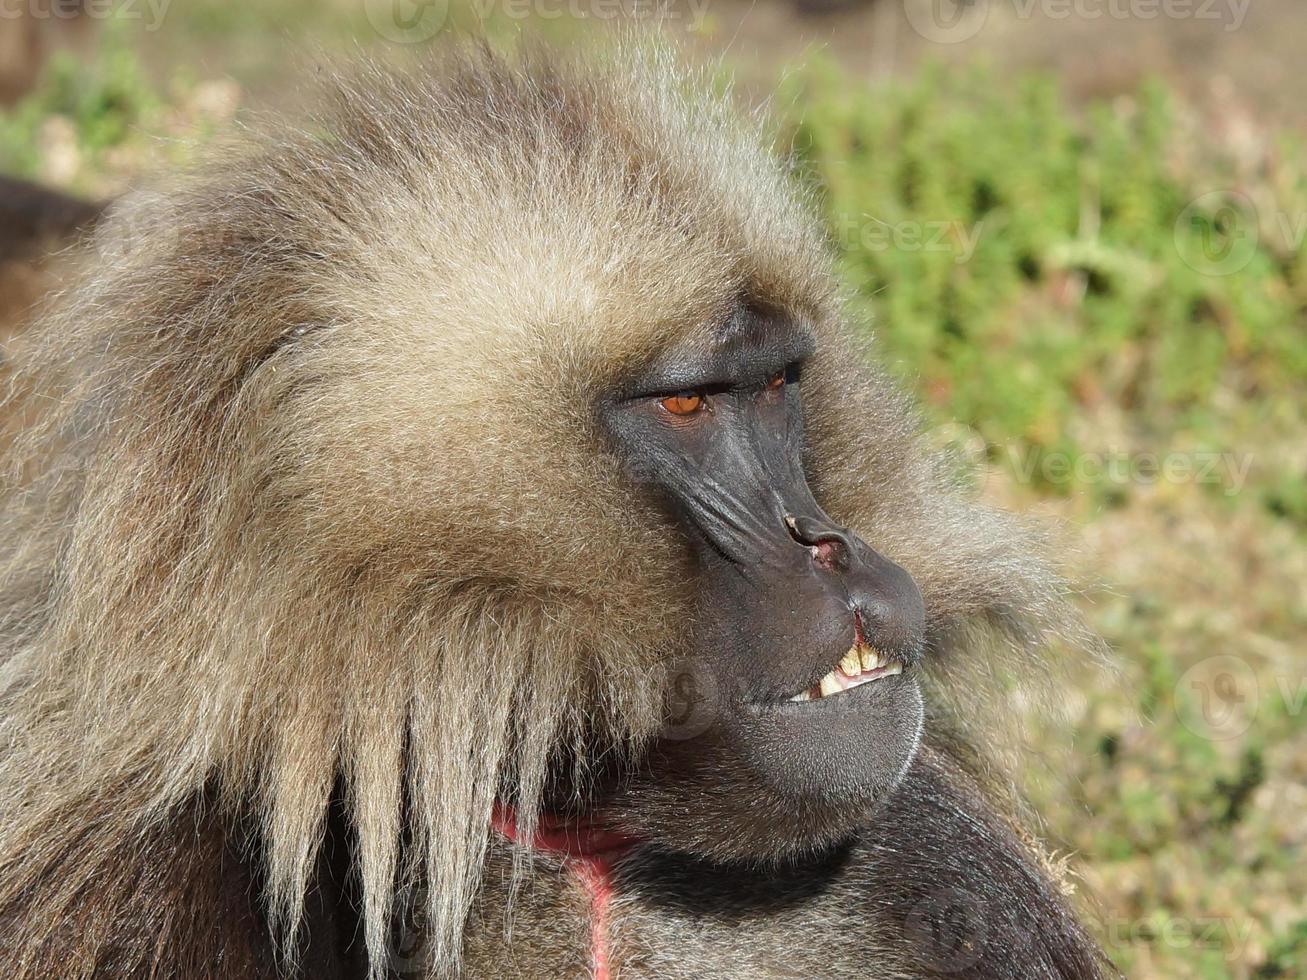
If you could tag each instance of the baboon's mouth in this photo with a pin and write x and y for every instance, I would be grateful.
(861, 665)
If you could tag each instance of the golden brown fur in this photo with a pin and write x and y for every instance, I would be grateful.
(316, 498)
(36, 225)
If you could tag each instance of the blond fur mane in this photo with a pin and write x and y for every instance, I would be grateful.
(311, 497)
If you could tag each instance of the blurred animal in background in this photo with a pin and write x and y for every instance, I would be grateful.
(34, 223)
(462, 536)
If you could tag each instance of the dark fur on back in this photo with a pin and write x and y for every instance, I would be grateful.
(313, 515)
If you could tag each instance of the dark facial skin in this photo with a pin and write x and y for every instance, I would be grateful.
(784, 592)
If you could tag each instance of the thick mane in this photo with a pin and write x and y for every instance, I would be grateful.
(284, 523)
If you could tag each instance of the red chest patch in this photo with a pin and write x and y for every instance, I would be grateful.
(586, 853)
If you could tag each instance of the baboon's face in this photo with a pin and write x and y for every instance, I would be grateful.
(541, 417)
(798, 684)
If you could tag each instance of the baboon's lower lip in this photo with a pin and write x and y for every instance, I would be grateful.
(861, 665)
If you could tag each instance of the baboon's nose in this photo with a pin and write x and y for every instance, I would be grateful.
(888, 610)
(831, 547)
(887, 606)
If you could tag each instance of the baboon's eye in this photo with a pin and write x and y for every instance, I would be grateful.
(684, 403)
(776, 381)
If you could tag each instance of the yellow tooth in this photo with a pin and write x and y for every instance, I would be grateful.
(829, 685)
(870, 659)
(892, 669)
(851, 665)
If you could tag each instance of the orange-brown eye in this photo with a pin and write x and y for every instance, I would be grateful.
(776, 381)
(683, 403)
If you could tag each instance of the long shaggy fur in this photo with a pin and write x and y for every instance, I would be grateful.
(315, 502)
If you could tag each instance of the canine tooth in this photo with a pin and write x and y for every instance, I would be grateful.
(851, 665)
(870, 658)
(829, 685)
(802, 696)
(892, 668)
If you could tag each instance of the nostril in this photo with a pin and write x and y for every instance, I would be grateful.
(829, 546)
(827, 554)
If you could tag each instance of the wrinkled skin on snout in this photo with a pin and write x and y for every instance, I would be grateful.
(760, 709)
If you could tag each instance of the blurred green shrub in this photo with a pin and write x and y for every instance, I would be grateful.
(1056, 278)
(103, 101)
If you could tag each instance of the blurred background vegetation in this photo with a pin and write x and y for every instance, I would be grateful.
(1082, 242)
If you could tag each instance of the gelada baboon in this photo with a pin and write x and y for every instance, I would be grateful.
(461, 536)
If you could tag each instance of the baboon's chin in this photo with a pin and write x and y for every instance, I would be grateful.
(776, 781)
(838, 751)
